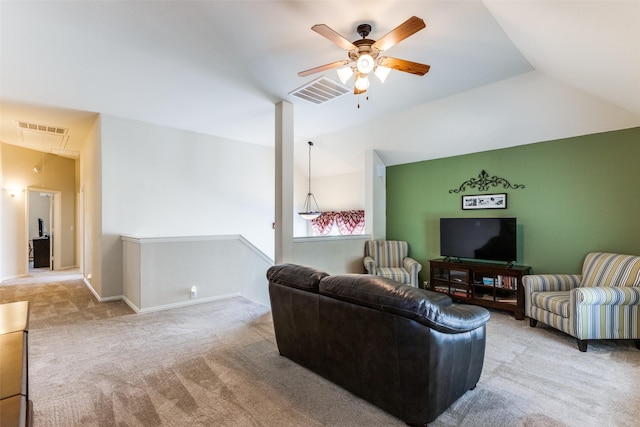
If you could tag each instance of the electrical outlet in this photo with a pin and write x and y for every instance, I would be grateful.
(194, 292)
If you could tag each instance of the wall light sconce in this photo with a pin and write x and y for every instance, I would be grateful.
(12, 192)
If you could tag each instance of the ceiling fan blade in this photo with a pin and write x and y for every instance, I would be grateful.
(334, 37)
(325, 67)
(401, 32)
(404, 65)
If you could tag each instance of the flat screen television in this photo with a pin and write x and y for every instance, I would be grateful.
(490, 239)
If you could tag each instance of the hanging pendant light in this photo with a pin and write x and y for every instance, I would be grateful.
(308, 213)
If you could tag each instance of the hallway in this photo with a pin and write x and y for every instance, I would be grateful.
(44, 275)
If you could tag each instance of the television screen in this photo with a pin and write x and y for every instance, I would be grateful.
(491, 239)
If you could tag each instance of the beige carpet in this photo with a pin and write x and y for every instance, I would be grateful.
(216, 364)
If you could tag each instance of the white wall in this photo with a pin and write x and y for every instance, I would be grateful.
(159, 273)
(3, 195)
(340, 192)
(334, 255)
(91, 194)
(161, 182)
(376, 196)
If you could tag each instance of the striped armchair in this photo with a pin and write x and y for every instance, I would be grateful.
(390, 259)
(601, 303)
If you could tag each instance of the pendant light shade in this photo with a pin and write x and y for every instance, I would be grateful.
(344, 74)
(309, 213)
(362, 83)
(382, 73)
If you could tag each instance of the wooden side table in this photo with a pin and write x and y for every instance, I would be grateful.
(15, 406)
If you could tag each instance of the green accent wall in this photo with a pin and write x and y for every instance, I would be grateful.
(581, 195)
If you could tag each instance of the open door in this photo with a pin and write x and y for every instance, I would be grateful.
(43, 212)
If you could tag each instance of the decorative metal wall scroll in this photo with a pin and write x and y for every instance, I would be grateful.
(483, 182)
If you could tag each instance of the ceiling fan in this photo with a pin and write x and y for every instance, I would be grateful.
(365, 54)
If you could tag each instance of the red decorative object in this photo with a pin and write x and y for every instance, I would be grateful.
(323, 224)
(348, 222)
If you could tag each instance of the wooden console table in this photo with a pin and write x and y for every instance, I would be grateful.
(15, 407)
(489, 285)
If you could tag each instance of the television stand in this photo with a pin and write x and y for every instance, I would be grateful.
(486, 284)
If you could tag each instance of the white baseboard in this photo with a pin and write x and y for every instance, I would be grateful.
(139, 310)
(98, 297)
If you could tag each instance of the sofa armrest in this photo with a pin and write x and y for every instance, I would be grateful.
(295, 276)
(413, 267)
(370, 265)
(598, 312)
(550, 282)
(605, 296)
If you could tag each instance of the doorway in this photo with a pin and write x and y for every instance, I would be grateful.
(43, 219)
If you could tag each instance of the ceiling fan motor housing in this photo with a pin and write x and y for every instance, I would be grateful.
(363, 46)
(364, 30)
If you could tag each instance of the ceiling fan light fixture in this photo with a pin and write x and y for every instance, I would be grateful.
(365, 63)
(362, 83)
(344, 74)
(364, 54)
(382, 73)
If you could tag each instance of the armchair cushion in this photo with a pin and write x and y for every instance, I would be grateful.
(390, 259)
(387, 253)
(554, 302)
(398, 274)
(604, 269)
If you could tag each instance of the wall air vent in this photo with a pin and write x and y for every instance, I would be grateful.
(321, 90)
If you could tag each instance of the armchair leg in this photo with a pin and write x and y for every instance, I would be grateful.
(533, 322)
(582, 344)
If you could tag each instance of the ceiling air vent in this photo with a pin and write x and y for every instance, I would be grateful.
(42, 137)
(320, 90)
(53, 130)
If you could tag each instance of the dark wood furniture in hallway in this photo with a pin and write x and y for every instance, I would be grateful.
(41, 252)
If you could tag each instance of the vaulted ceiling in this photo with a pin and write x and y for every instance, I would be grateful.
(503, 73)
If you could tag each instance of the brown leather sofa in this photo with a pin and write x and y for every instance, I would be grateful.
(409, 351)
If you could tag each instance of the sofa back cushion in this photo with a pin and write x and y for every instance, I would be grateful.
(387, 253)
(606, 269)
(432, 309)
(296, 276)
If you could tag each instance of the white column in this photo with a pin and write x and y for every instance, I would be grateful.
(284, 182)
(375, 196)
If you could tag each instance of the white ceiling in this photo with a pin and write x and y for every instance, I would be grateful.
(503, 73)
